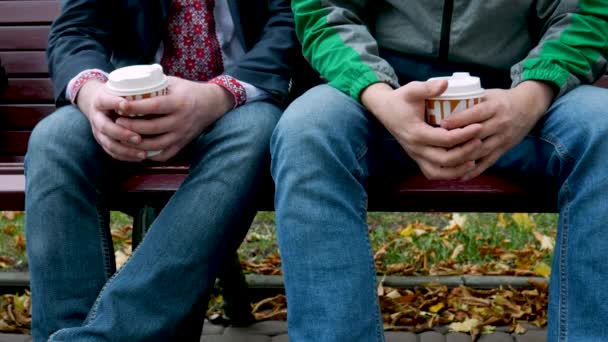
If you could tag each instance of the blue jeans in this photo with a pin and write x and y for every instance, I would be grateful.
(325, 148)
(75, 295)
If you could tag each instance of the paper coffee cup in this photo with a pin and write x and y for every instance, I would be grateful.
(138, 82)
(464, 91)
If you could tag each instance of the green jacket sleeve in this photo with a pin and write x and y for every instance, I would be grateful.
(573, 46)
(338, 44)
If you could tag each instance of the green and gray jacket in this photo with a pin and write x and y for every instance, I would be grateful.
(563, 42)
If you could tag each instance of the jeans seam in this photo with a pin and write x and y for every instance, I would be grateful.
(93, 312)
(563, 260)
(561, 150)
(102, 224)
(377, 315)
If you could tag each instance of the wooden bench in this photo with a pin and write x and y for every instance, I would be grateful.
(24, 28)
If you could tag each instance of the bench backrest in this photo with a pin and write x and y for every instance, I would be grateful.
(24, 28)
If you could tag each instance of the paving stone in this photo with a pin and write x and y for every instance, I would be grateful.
(400, 336)
(280, 338)
(15, 338)
(431, 336)
(496, 337)
(276, 331)
(532, 336)
(458, 337)
(212, 329)
(242, 338)
(267, 328)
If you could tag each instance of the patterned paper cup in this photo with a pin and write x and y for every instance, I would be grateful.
(464, 91)
(138, 82)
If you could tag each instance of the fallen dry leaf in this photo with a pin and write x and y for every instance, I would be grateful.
(546, 242)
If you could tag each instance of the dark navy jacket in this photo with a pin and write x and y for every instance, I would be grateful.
(108, 34)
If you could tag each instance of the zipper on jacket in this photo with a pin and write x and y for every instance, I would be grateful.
(446, 24)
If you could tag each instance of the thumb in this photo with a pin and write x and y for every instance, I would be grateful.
(418, 91)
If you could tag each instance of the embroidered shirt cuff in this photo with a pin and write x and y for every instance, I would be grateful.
(77, 82)
(233, 86)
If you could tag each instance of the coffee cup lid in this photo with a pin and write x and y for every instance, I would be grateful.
(136, 79)
(461, 84)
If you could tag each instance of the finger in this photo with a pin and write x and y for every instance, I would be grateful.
(159, 142)
(435, 172)
(481, 165)
(119, 151)
(477, 114)
(440, 137)
(106, 102)
(106, 127)
(157, 125)
(153, 105)
(419, 91)
(492, 151)
(166, 154)
(455, 156)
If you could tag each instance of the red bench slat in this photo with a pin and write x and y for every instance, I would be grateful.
(23, 37)
(24, 62)
(23, 117)
(14, 142)
(28, 90)
(28, 11)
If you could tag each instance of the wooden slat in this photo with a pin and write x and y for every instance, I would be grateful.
(28, 11)
(14, 142)
(28, 90)
(12, 195)
(486, 193)
(24, 62)
(23, 117)
(24, 37)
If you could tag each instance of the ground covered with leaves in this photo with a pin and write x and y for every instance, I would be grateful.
(405, 244)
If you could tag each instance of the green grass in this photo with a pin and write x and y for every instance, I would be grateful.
(12, 242)
(501, 233)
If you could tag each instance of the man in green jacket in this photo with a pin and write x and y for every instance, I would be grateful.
(539, 117)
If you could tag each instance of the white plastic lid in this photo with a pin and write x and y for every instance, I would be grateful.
(461, 84)
(136, 79)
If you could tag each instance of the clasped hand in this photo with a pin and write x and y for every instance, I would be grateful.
(186, 110)
(468, 142)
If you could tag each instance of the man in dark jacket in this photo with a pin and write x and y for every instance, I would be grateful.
(539, 117)
(230, 63)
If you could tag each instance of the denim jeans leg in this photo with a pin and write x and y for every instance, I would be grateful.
(200, 228)
(570, 147)
(69, 248)
(318, 164)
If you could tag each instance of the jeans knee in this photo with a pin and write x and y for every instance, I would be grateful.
(581, 118)
(64, 129)
(322, 122)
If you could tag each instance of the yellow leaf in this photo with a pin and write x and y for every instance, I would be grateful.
(409, 230)
(120, 257)
(393, 294)
(546, 242)
(502, 221)
(466, 326)
(523, 220)
(488, 329)
(457, 251)
(435, 308)
(542, 269)
(457, 220)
